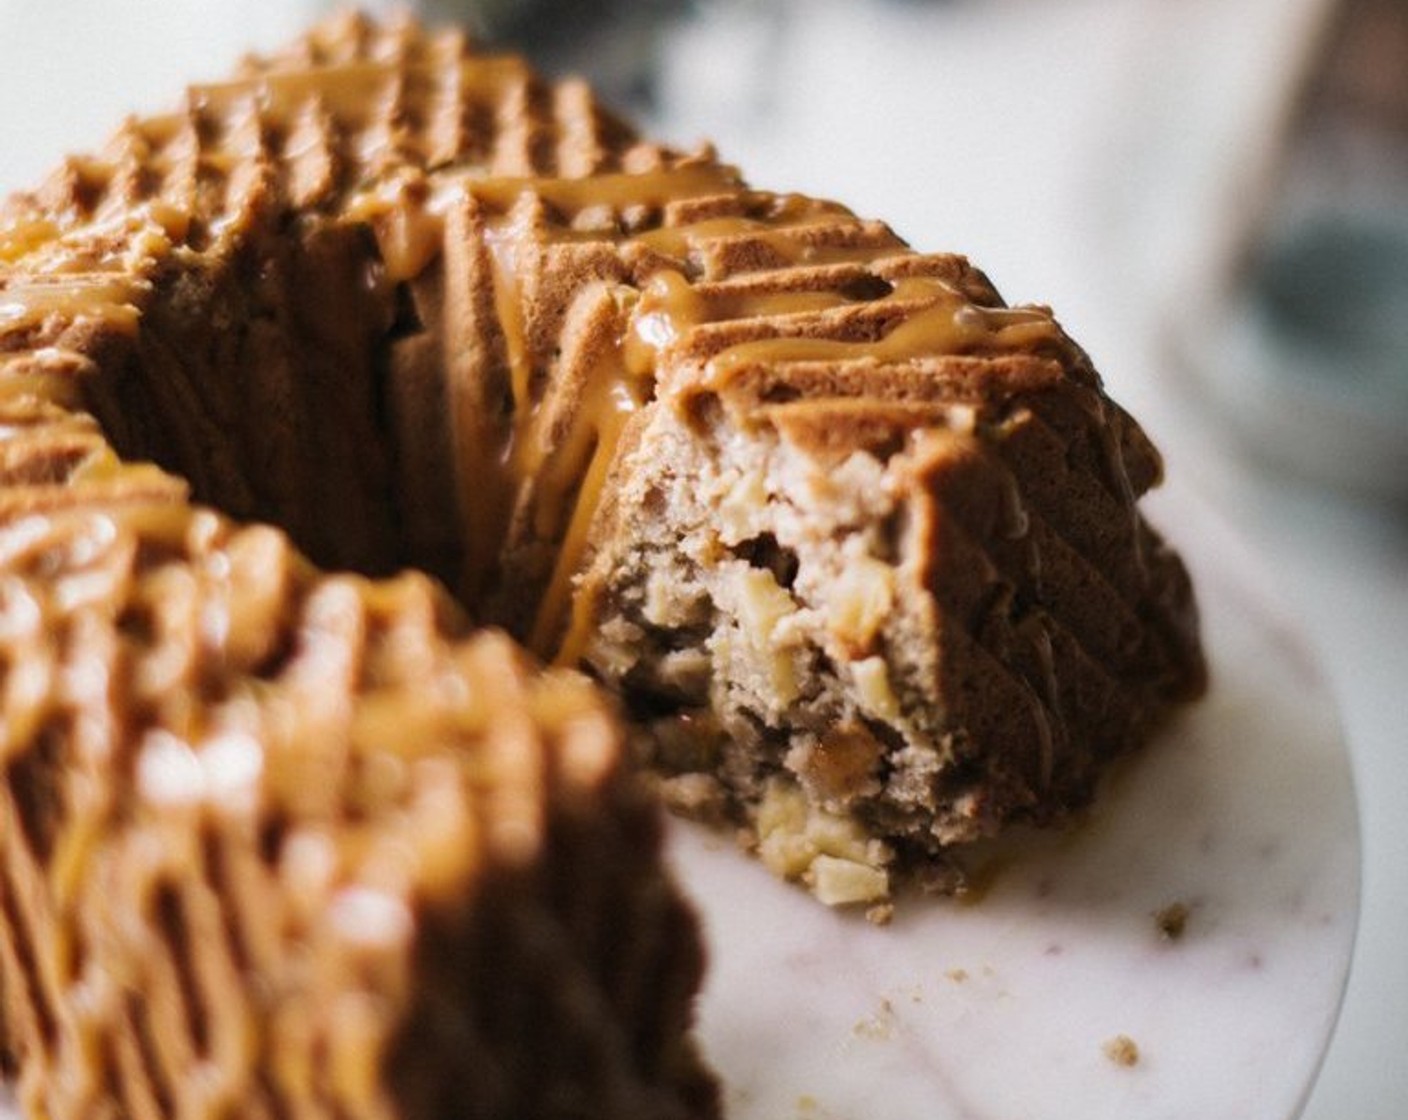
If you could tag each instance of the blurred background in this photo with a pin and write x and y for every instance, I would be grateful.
(1212, 194)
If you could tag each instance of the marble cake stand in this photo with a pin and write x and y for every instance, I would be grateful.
(1059, 993)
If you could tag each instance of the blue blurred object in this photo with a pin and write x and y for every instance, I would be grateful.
(1336, 284)
(1308, 357)
(1331, 272)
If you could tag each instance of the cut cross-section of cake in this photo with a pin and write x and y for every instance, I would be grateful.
(855, 544)
(871, 573)
(279, 842)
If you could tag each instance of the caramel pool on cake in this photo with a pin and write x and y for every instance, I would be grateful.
(854, 544)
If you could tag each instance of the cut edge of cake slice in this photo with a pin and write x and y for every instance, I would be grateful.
(875, 607)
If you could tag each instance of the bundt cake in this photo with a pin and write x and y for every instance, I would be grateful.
(854, 544)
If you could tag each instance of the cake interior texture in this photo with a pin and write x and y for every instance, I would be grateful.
(854, 544)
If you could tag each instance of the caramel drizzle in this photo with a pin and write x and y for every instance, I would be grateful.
(667, 309)
(949, 324)
(406, 206)
(609, 414)
(108, 300)
(932, 317)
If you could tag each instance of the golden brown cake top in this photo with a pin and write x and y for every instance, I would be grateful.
(242, 789)
(621, 271)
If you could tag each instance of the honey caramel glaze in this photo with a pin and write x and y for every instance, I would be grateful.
(661, 307)
(679, 225)
(670, 308)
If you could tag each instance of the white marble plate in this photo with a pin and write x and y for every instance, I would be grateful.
(1003, 1009)
(1008, 1008)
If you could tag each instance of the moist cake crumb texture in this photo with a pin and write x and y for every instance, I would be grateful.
(854, 544)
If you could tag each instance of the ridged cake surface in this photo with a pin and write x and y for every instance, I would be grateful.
(855, 544)
(282, 843)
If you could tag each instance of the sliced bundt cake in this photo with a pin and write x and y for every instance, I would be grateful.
(855, 544)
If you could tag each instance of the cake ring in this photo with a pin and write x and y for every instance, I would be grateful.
(853, 545)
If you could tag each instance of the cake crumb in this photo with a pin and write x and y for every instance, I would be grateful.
(957, 975)
(881, 914)
(1122, 1050)
(879, 1026)
(1172, 921)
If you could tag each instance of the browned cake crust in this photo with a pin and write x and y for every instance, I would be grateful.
(855, 543)
(872, 574)
(280, 843)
